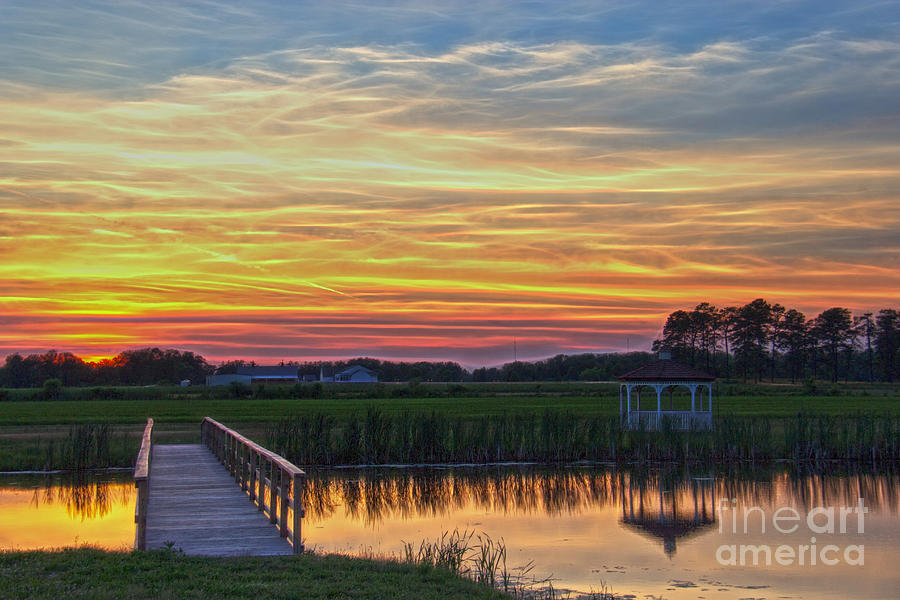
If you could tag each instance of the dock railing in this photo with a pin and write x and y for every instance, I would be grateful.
(142, 483)
(274, 484)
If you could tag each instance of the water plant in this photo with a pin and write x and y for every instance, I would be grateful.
(556, 437)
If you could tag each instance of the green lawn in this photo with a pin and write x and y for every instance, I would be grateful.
(88, 573)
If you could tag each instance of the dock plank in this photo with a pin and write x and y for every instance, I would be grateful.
(196, 506)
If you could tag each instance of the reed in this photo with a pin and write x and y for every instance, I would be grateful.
(82, 447)
(482, 559)
(556, 437)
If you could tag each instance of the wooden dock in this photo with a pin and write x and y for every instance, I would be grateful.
(220, 498)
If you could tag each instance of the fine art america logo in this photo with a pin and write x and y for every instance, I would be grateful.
(821, 520)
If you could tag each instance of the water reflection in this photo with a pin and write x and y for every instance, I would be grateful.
(84, 495)
(376, 495)
(39, 511)
(669, 510)
(640, 531)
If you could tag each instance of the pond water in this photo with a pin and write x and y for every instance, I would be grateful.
(650, 533)
(644, 533)
(52, 511)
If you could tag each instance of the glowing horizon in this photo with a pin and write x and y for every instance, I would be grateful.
(424, 181)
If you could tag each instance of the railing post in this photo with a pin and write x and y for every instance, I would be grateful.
(238, 470)
(283, 501)
(273, 493)
(142, 483)
(251, 478)
(261, 484)
(297, 484)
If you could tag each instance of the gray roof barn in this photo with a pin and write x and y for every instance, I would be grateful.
(263, 373)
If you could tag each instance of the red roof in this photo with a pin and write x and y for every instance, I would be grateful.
(666, 370)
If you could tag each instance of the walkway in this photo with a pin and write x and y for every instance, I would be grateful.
(194, 505)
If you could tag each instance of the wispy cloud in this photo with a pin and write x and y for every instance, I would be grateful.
(427, 178)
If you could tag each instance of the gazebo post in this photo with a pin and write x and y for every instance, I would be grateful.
(620, 403)
(658, 402)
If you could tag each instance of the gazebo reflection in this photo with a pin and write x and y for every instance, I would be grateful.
(668, 510)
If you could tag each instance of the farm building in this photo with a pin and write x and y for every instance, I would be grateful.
(254, 375)
(352, 374)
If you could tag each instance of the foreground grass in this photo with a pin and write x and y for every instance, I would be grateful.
(95, 574)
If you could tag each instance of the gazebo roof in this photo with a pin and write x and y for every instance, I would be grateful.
(666, 370)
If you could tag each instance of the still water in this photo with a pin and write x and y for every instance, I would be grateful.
(41, 511)
(648, 533)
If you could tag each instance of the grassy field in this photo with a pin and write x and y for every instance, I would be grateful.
(183, 405)
(37, 434)
(94, 574)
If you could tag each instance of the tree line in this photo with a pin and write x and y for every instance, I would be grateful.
(154, 366)
(760, 341)
(145, 366)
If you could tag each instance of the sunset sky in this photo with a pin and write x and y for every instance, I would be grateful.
(434, 180)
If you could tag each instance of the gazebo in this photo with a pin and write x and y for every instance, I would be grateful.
(660, 375)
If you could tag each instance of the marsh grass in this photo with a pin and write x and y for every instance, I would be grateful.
(80, 448)
(482, 559)
(557, 437)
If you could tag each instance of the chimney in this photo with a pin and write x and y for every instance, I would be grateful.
(665, 356)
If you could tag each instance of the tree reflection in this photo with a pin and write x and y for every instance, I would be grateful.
(681, 496)
(84, 495)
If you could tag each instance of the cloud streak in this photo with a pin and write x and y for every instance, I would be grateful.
(436, 187)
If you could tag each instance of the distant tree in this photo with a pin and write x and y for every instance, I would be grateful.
(751, 335)
(678, 336)
(865, 326)
(230, 367)
(776, 330)
(52, 388)
(150, 366)
(706, 322)
(887, 341)
(14, 373)
(794, 341)
(727, 321)
(832, 331)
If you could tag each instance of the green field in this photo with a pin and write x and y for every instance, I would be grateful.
(174, 405)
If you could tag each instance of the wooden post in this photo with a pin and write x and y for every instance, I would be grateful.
(251, 484)
(273, 493)
(261, 484)
(283, 501)
(142, 483)
(238, 469)
(296, 505)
